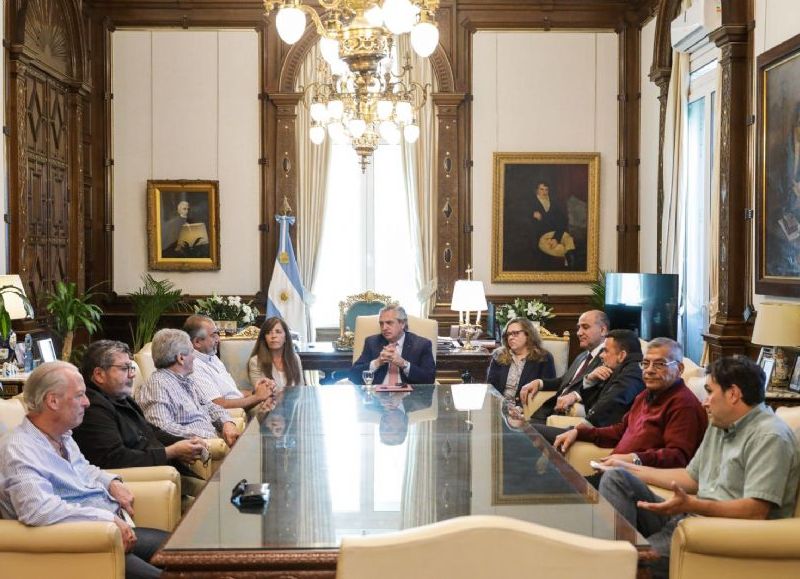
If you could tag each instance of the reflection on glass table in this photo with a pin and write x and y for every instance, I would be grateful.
(341, 461)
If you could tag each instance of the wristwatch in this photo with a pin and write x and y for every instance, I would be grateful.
(636, 460)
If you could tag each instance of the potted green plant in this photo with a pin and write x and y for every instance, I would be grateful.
(598, 297)
(72, 312)
(150, 302)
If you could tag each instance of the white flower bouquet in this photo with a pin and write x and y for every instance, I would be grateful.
(534, 310)
(227, 308)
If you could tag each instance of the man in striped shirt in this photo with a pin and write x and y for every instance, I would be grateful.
(170, 398)
(44, 478)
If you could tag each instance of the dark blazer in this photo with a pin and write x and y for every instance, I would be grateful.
(565, 384)
(497, 373)
(416, 350)
(607, 402)
(115, 434)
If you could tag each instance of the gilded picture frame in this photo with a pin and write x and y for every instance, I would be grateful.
(183, 225)
(778, 170)
(546, 215)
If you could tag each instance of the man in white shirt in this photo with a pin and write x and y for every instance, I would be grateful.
(210, 375)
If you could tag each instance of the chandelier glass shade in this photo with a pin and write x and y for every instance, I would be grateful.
(360, 98)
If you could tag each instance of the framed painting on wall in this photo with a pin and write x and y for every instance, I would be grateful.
(546, 211)
(778, 171)
(183, 225)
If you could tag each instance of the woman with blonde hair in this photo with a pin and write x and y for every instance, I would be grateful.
(520, 360)
(274, 357)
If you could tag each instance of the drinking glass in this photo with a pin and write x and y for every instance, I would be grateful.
(368, 376)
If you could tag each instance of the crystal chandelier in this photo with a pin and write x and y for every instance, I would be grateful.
(361, 98)
(352, 112)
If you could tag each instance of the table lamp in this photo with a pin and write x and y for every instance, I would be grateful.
(13, 301)
(468, 296)
(778, 327)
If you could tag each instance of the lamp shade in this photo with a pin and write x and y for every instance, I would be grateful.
(14, 306)
(777, 324)
(468, 296)
(468, 396)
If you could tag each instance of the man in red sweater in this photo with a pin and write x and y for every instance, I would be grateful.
(666, 423)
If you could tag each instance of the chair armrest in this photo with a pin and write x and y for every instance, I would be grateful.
(147, 473)
(577, 410)
(580, 453)
(539, 399)
(217, 448)
(738, 538)
(560, 421)
(77, 537)
(157, 504)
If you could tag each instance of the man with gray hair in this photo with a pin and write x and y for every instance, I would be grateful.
(395, 355)
(664, 426)
(210, 375)
(170, 399)
(44, 478)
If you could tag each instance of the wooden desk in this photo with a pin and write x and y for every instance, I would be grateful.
(10, 386)
(323, 357)
(780, 397)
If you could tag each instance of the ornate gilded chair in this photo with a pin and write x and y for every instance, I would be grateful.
(363, 304)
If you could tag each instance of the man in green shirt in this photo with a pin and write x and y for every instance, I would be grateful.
(747, 466)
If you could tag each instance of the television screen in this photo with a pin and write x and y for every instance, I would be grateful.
(646, 303)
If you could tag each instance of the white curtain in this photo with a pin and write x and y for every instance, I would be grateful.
(674, 172)
(419, 162)
(312, 173)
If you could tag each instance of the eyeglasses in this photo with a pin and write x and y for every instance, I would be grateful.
(129, 368)
(657, 365)
(513, 333)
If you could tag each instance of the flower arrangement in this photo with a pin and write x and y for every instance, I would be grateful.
(534, 310)
(227, 308)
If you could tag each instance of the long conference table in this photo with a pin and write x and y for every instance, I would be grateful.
(340, 461)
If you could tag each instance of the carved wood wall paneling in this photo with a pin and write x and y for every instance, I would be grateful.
(628, 118)
(660, 72)
(728, 333)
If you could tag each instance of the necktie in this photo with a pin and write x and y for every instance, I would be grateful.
(579, 374)
(393, 376)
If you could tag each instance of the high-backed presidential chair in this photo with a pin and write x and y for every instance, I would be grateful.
(367, 303)
(483, 547)
(85, 549)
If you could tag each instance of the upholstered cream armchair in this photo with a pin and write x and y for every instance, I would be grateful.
(84, 550)
(483, 547)
(732, 548)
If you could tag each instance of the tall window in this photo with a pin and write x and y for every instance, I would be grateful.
(700, 152)
(366, 237)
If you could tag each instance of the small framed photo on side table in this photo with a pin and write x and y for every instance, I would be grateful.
(794, 383)
(767, 364)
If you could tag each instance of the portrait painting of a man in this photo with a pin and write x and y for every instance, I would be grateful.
(778, 187)
(183, 225)
(545, 217)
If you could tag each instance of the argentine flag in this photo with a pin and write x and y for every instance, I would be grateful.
(285, 294)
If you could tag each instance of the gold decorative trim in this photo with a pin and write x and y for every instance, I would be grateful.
(345, 340)
(246, 333)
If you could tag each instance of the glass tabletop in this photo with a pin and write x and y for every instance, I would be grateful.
(343, 462)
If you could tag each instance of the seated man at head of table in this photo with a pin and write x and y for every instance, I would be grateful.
(114, 432)
(44, 478)
(747, 466)
(395, 355)
(664, 426)
(170, 398)
(210, 374)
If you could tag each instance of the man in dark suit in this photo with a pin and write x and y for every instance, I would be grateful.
(609, 390)
(592, 330)
(395, 355)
